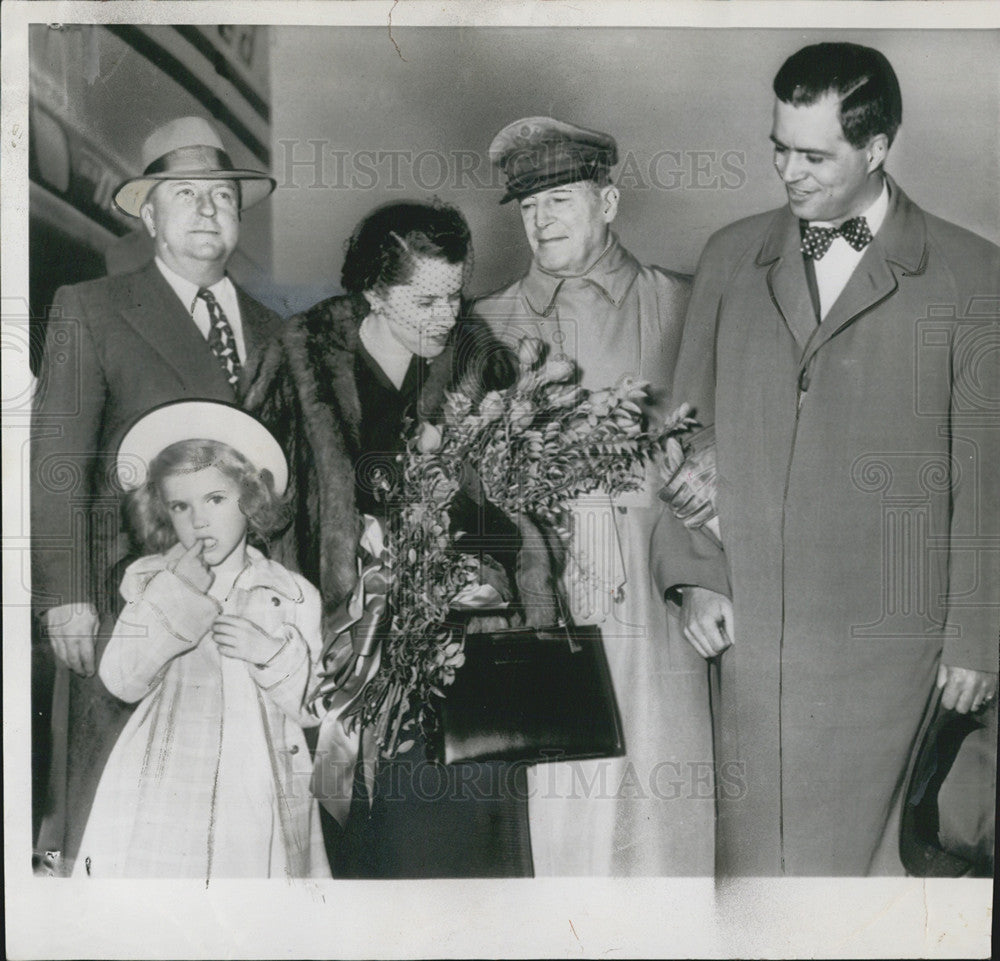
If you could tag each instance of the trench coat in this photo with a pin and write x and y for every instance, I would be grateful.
(857, 500)
(649, 812)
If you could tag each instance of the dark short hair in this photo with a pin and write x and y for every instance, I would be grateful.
(862, 79)
(149, 519)
(382, 250)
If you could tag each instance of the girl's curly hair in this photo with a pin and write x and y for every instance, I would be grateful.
(149, 519)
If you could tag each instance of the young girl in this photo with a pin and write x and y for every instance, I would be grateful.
(210, 777)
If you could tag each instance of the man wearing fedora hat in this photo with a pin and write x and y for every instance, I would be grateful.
(649, 812)
(178, 328)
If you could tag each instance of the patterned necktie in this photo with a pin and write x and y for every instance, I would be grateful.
(221, 338)
(816, 240)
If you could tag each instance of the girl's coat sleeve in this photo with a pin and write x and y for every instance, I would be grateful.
(289, 677)
(164, 617)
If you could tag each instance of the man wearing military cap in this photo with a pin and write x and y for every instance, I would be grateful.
(586, 296)
(177, 328)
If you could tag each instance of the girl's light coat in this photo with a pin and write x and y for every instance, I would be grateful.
(210, 777)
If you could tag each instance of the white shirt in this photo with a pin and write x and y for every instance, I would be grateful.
(834, 268)
(225, 294)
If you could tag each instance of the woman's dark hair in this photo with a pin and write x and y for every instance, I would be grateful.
(383, 247)
(860, 77)
(149, 518)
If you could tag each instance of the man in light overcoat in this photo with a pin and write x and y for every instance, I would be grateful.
(649, 812)
(845, 349)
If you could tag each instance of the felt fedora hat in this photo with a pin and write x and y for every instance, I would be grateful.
(188, 148)
(182, 420)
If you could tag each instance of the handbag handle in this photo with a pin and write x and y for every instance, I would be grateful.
(563, 626)
(565, 620)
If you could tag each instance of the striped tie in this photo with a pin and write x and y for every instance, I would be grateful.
(221, 338)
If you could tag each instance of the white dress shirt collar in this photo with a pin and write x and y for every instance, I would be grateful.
(834, 269)
(225, 294)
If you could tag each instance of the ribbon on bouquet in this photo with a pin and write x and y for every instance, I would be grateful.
(351, 656)
(352, 665)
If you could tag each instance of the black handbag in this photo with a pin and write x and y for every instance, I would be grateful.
(531, 695)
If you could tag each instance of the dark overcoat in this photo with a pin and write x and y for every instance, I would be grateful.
(857, 497)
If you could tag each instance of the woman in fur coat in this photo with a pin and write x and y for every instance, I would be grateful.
(335, 387)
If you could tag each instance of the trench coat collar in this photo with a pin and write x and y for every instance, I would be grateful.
(612, 274)
(900, 245)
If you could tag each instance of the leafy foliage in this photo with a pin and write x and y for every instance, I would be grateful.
(535, 447)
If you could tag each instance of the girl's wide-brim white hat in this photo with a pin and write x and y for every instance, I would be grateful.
(198, 420)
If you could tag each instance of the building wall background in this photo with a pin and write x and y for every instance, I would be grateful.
(690, 108)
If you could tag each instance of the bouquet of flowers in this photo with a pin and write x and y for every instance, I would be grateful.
(534, 447)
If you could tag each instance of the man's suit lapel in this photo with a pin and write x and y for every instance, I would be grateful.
(259, 325)
(164, 323)
(786, 277)
(870, 284)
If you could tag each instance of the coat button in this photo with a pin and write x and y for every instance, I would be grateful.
(294, 749)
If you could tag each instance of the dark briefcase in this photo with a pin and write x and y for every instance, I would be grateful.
(947, 827)
(531, 695)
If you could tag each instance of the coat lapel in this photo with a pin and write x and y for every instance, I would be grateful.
(871, 282)
(163, 322)
(900, 243)
(786, 278)
(259, 325)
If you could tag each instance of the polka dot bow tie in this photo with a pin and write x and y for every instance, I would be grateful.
(816, 240)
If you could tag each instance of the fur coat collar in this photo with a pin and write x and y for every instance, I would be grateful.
(303, 389)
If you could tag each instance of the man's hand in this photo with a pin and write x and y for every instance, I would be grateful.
(707, 620)
(193, 569)
(240, 638)
(72, 629)
(965, 689)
